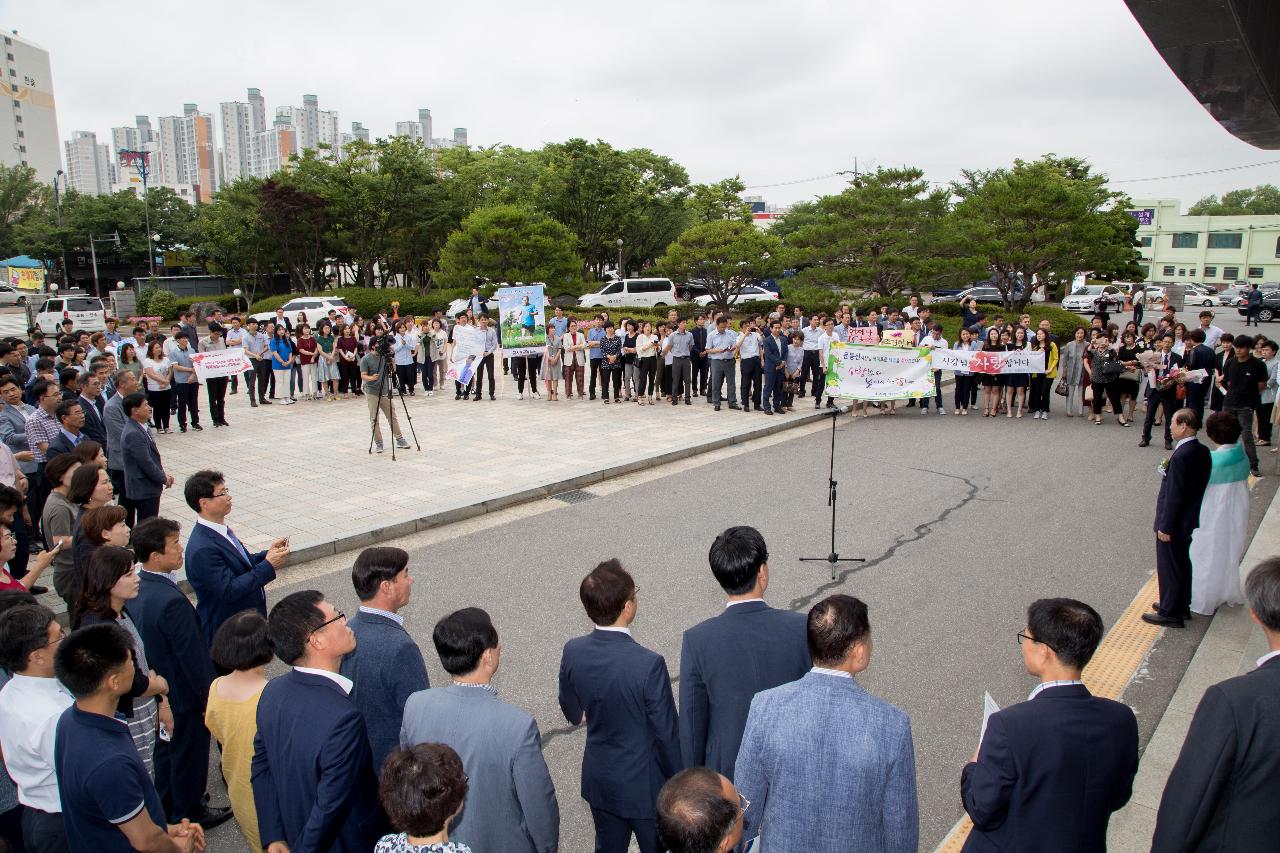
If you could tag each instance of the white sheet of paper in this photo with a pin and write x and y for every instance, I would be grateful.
(989, 707)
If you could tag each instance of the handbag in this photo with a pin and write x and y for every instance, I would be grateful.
(1061, 390)
(1131, 374)
(1181, 391)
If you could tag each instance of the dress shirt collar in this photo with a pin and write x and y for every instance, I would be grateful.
(729, 604)
(337, 678)
(386, 614)
(71, 437)
(487, 688)
(626, 631)
(1045, 685)
(838, 673)
(221, 529)
(171, 577)
(1268, 656)
(1183, 441)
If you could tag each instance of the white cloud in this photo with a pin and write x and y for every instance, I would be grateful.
(772, 91)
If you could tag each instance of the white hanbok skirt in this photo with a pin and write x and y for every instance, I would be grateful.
(1217, 547)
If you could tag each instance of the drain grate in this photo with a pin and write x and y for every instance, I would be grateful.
(576, 496)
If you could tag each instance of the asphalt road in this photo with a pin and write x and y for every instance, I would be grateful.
(963, 522)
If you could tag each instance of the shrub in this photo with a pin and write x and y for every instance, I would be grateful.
(155, 302)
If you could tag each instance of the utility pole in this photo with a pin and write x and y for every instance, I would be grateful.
(141, 160)
(93, 253)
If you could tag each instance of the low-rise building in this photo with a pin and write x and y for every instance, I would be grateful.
(1217, 251)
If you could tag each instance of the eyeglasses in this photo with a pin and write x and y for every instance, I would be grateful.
(743, 803)
(328, 622)
(1029, 639)
(62, 635)
(225, 493)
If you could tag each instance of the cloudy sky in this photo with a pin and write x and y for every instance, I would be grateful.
(777, 92)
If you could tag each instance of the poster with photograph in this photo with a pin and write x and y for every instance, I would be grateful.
(468, 346)
(522, 320)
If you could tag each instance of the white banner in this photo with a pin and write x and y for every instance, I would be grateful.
(223, 362)
(468, 346)
(878, 373)
(990, 362)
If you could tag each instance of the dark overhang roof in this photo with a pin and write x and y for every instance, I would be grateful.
(1227, 54)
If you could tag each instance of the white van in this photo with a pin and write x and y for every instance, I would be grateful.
(639, 292)
(86, 312)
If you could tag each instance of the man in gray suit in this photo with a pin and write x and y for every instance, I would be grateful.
(826, 765)
(511, 803)
(114, 419)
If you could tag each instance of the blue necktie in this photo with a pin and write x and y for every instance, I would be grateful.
(239, 547)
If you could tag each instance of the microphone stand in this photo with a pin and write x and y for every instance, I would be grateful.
(833, 558)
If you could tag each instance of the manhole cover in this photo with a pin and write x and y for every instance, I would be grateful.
(576, 496)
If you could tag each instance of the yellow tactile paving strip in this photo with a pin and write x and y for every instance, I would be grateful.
(1113, 666)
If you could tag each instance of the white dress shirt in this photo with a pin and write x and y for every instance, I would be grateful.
(376, 611)
(225, 532)
(1045, 685)
(729, 604)
(337, 678)
(29, 712)
(838, 673)
(1268, 656)
(626, 631)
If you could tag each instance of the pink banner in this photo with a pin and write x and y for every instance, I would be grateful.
(864, 335)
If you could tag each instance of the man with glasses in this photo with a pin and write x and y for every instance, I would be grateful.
(313, 780)
(226, 577)
(30, 705)
(699, 811)
(42, 428)
(1055, 766)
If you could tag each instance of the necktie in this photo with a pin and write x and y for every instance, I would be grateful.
(239, 546)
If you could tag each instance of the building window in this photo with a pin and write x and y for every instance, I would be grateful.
(21, 134)
(1255, 272)
(1278, 247)
(1230, 273)
(1167, 271)
(1186, 241)
(1191, 273)
(1225, 241)
(1145, 242)
(1146, 270)
(1182, 272)
(1210, 272)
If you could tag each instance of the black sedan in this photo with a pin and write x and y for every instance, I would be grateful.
(1268, 310)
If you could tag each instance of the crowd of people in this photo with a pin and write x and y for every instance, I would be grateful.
(106, 728)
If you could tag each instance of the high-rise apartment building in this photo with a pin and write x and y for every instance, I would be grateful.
(186, 152)
(424, 121)
(272, 148)
(89, 164)
(124, 138)
(29, 123)
(359, 131)
(460, 137)
(409, 129)
(312, 126)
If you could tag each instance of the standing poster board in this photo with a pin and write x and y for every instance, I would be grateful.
(522, 320)
(468, 346)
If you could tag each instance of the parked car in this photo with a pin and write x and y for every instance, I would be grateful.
(750, 293)
(1086, 299)
(639, 292)
(1269, 310)
(315, 308)
(984, 294)
(86, 312)
(12, 296)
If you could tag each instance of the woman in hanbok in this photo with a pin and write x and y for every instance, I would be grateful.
(1218, 543)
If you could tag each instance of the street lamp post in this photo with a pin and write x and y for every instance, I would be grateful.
(236, 293)
(93, 253)
(620, 275)
(57, 212)
(141, 160)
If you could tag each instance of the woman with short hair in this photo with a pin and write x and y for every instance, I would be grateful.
(348, 347)
(308, 353)
(422, 789)
(282, 359)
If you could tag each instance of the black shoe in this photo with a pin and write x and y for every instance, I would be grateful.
(234, 391)
(476, 399)
(253, 403)
(181, 428)
(457, 396)
(209, 817)
(265, 402)
(1256, 472)
(38, 590)
(491, 397)
(734, 406)
(1168, 445)
(197, 427)
(1162, 620)
(1146, 442)
(717, 407)
(688, 402)
(593, 395)
(674, 401)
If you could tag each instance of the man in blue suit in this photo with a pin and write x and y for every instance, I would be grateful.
(728, 659)
(824, 764)
(1050, 771)
(622, 692)
(144, 476)
(775, 360)
(177, 650)
(225, 576)
(1177, 516)
(386, 665)
(313, 782)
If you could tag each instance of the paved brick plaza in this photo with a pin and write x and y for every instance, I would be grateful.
(303, 471)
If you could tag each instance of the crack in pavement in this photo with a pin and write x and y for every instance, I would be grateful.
(919, 532)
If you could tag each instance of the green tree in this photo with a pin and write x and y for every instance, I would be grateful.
(22, 199)
(1049, 219)
(299, 222)
(508, 243)
(721, 200)
(725, 256)
(230, 235)
(1262, 200)
(887, 232)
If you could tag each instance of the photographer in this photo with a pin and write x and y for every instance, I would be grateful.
(374, 373)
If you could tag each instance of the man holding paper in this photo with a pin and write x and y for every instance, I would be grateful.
(1050, 771)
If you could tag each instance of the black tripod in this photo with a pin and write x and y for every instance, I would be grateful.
(833, 558)
(387, 375)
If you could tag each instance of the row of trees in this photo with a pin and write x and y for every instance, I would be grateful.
(394, 211)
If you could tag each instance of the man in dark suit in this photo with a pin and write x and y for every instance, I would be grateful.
(144, 477)
(698, 354)
(1164, 392)
(313, 782)
(775, 359)
(225, 576)
(728, 659)
(1177, 517)
(1198, 357)
(189, 329)
(91, 403)
(176, 649)
(70, 417)
(1221, 794)
(1056, 766)
(386, 665)
(622, 692)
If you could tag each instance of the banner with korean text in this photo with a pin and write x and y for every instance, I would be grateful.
(222, 362)
(864, 335)
(992, 363)
(878, 373)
